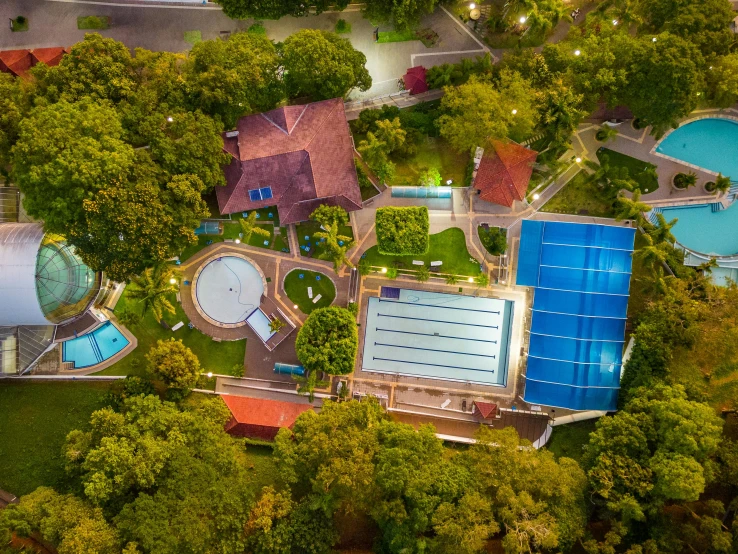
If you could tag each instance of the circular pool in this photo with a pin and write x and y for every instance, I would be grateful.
(226, 289)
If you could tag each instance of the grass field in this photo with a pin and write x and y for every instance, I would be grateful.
(308, 229)
(218, 357)
(396, 36)
(231, 230)
(93, 22)
(296, 289)
(19, 24)
(36, 418)
(448, 246)
(568, 440)
(192, 37)
(641, 172)
(580, 196)
(432, 153)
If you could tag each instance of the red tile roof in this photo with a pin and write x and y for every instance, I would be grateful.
(304, 153)
(485, 409)
(18, 62)
(414, 80)
(504, 173)
(260, 418)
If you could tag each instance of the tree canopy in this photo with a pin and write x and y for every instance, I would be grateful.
(328, 341)
(403, 231)
(176, 364)
(322, 65)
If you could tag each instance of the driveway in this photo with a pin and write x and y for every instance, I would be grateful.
(162, 27)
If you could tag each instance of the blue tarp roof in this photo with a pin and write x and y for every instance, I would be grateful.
(581, 275)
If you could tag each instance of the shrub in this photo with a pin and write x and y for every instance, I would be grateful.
(494, 239)
(423, 274)
(176, 364)
(392, 273)
(402, 231)
(429, 177)
(257, 29)
(127, 388)
(364, 182)
(343, 27)
(685, 180)
(328, 341)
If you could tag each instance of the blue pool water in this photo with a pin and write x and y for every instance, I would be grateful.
(259, 322)
(707, 143)
(95, 347)
(702, 230)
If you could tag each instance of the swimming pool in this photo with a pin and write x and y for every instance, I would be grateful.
(438, 336)
(259, 322)
(228, 289)
(707, 143)
(93, 348)
(705, 231)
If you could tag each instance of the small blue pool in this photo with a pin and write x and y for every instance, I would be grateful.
(95, 347)
(703, 230)
(707, 143)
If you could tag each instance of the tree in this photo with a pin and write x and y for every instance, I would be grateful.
(328, 341)
(664, 81)
(234, 77)
(65, 154)
(12, 110)
(249, 226)
(560, 110)
(402, 15)
(96, 67)
(482, 280)
(722, 183)
(656, 450)
(174, 363)
(632, 208)
(322, 65)
(494, 239)
(661, 231)
(331, 219)
(652, 255)
(722, 81)
(429, 177)
(152, 288)
(373, 150)
(276, 325)
(402, 231)
(72, 525)
(308, 384)
(476, 112)
(423, 274)
(140, 223)
(465, 527)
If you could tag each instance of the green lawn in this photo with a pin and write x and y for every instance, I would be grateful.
(263, 467)
(568, 440)
(192, 37)
(581, 197)
(219, 357)
(640, 171)
(19, 24)
(296, 289)
(432, 153)
(36, 417)
(448, 246)
(317, 249)
(396, 36)
(94, 22)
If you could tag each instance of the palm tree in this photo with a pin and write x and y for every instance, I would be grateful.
(722, 183)
(661, 232)
(653, 255)
(250, 227)
(482, 280)
(606, 133)
(152, 288)
(632, 208)
(332, 240)
(308, 384)
(276, 324)
(452, 279)
(707, 267)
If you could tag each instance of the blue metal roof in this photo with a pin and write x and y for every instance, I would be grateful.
(581, 276)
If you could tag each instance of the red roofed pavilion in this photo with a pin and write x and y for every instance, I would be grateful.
(485, 410)
(504, 173)
(259, 418)
(414, 80)
(18, 62)
(297, 157)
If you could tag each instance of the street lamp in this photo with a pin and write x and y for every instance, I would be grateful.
(578, 160)
(384, 270)
(653, 39)
(295, 306)
(210, 374)
(614, 21)
(514, 111)
(237, 241)
(536, 196)
(471, 279)
(170, 119)
(522, 19)
(577, 52)
(472, 6)
(173, 281)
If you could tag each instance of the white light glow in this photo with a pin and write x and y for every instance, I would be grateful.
(238, 241)
(514, 112)
(536, 196)
(471, 279)
(450, 181)
(472, 6)
(384, 270)
(170, 119)
(653, 39)
(522, 19)
(173, 281)
(210, 374)
(577, 52)
(578, 160)
(614, 21)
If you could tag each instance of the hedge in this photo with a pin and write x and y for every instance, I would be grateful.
(402, 231)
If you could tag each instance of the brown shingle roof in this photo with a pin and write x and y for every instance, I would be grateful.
(304, 153)
(260, 418)
(504, 173)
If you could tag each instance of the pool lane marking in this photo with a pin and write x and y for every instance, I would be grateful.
(434, 335)
(435, 350)
(437, 321)
(436, 306)
(432, 365)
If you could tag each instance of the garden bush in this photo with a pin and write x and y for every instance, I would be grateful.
(343, 27)
(328, 341)
(402, 231)
(494, 239)
(685, 180)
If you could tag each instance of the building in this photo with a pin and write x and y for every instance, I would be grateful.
(504, 173)
(18, 62)
(43, 285)
(581, 276)
(259, 418)
(294, 157)
(415, 80)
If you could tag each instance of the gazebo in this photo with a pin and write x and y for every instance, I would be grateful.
(414, 80)
(504, 173)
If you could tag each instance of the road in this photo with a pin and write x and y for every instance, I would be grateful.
(162, 27)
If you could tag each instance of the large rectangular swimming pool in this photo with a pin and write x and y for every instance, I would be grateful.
(438, 336)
